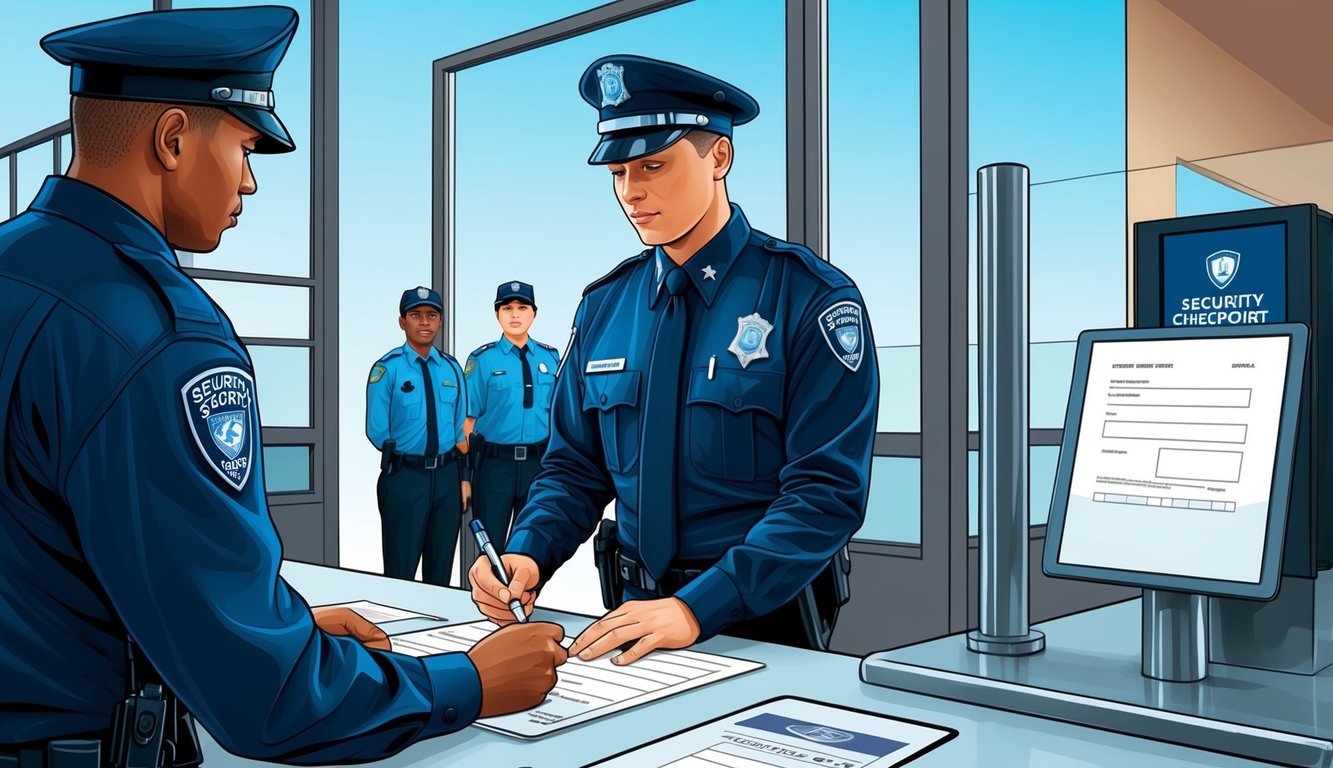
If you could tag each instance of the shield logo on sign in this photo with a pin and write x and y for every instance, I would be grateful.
(1222, 267)
(820, 733)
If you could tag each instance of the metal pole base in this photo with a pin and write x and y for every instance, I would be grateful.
(997, 645)
(1175, 637)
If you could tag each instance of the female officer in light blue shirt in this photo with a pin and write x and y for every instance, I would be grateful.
(509, 387)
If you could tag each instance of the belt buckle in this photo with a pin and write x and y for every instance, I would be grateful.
(432, 463)
(520, 453)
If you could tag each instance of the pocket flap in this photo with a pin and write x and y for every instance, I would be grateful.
(738, 390)
(611, 390)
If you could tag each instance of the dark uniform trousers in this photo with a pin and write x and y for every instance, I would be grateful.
(426, 509)
(502, 487)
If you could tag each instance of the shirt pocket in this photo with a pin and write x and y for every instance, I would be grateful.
(409, 405)
(735, 424)
(615, 399)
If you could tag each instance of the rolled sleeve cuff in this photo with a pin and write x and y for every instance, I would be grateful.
(714, 601)
(456, 691)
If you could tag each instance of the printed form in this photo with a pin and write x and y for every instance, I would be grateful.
(584, 690)
(790, 733)
(1174, 463)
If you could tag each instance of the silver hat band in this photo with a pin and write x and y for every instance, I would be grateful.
(262, 99)
(652, 121)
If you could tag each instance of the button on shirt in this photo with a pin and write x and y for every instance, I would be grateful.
(776, 427)
(132, 501)
(396, 400)
(495, 391)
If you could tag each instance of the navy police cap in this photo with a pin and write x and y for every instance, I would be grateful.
(215, 57)
(419, 296)
(514, 289)
(645, 105)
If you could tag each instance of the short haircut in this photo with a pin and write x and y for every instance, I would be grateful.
(104, 128)
(703, 141)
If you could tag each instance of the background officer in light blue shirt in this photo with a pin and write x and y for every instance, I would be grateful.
(415, 407)
(509, 388)
(132, 499)
(721, 387)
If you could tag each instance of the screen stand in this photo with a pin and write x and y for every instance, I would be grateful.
(1175, 636)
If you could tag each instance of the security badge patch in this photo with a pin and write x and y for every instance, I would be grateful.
(220, 408)
(842, 327)
(377, 373)
(611, 79)
(751, 339)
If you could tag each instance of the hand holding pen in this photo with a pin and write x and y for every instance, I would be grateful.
(491, 580)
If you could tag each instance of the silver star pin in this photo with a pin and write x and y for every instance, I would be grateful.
(710, 273)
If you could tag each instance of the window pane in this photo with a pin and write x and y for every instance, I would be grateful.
(894, 510)
(66, 151)
(1046, 86)
(4, 187)
(287, 468)
(34, 167)
(538, 212)
(1042, 462)
(1198, 194)
(282, 377)
(273, 311)
(42, 88)
(874, 186)
(273, 234)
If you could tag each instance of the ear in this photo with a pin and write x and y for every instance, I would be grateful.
(722, 153)
(168, 134)
(402, 322)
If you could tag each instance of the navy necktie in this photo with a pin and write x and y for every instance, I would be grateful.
(432, 426)
(661, 411)
(527, 376)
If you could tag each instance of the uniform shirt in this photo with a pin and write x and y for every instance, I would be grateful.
(396, 400)
(774, 456)
(132, 501)
(494, 375)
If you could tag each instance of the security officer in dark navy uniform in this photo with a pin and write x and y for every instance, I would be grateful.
(509, 388)
(135, 539)
(415, 407)
(721, 387)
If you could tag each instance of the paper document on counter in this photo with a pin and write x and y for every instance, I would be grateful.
(377, 613)
(585, 690)
(790, 733)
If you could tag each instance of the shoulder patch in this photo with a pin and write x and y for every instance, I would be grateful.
(219, 405)
(824, 271)
(377, 373)
(843, 327)
(615, 273)
(471, 366)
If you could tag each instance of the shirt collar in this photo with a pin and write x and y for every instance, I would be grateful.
(708, 266)
(509, 348)
(102, 214)
(411, 354)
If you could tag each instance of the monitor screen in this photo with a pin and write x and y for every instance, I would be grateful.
(1175, 466)
(1227, 276)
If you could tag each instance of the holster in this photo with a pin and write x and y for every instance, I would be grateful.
(151, 728)
(387, 454)
(606, 556)
(821, 599)
(476, 445)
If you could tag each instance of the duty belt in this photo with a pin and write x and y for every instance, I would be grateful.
(56, 753)
(635, 575)
(515, 452)
(428, 462)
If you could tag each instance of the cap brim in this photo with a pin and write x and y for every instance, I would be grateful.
(273, 136)
(617, 148)
(503, 300)
(423, 304)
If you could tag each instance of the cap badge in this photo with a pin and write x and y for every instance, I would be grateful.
(751, 339)
(612, 81)
(423, 293)
(513, 286)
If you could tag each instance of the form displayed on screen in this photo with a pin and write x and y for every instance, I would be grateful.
(1175, 456)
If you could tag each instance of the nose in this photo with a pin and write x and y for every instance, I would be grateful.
(632, 190)
(248, 184)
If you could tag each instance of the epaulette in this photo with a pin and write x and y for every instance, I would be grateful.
(613, 274)
(390, 354)
(189, 305)
(829, 274)
(548, 347)
(482, 348)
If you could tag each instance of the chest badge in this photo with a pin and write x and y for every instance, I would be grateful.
(751, 339)
(542, 367)
(407, 386)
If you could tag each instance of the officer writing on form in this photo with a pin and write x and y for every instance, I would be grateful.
(134, 531)
(415, 407)
(509, 387)
(721, 386)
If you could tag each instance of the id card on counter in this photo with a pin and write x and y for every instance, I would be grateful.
(789, 732)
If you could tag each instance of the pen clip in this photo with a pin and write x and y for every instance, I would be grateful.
(712, 366)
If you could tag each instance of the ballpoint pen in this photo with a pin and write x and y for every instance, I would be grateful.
(484, 543)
